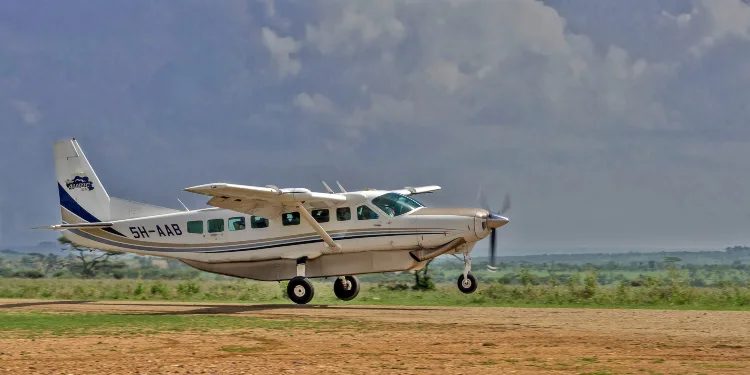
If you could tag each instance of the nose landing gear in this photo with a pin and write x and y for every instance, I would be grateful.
(466, 282)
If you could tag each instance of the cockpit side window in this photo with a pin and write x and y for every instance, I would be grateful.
(366, 213)
(236, 223)
(394, 204)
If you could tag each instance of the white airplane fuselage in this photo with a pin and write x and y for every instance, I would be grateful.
(270, 253)
(331, 234)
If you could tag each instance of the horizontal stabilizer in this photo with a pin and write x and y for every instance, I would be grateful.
(76, 226)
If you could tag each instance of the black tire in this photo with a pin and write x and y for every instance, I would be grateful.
(300, 290)
(468, 285)
(343, 293)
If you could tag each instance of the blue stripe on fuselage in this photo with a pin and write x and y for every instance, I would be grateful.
(247, 247)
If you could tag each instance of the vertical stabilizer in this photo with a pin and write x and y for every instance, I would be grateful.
(82, 196)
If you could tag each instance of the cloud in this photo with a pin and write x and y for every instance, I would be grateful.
(28, 111)
(605, 133)
(270, 8)
(727, 18)
(281, 49)
(448, 75)
(317, 103)
(349, 25)
(517, 64)
(714, 21)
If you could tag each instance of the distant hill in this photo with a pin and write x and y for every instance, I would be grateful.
(707, 257)
(44, 247)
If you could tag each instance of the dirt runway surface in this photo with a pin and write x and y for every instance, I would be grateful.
(395, 340)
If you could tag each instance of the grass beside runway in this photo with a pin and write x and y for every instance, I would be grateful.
(662, 296)
(44, 324)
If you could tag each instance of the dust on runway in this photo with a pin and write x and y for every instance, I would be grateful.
(419, 340)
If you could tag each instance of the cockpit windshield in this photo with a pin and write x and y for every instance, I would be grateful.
(394, 204)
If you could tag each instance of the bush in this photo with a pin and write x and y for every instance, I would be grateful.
(393, 285)
(188, 288)
(160, 289)
(423, 282)
(29, 274)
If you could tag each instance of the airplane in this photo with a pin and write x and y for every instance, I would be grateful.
(272, 234)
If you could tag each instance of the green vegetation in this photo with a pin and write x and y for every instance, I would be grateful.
(655, 294)
(48, 324)
(110, 289)
(697, 269)
(699, 280)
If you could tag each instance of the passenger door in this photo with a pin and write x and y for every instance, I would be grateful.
(374, 227)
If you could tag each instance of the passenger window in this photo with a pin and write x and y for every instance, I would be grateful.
(290, 218)
(321, 216)
(195, 226)
(215, 225)
(236, 223)
(343, 214)
(258, 222)
(366, 213)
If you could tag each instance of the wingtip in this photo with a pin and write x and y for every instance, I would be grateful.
(197, 188)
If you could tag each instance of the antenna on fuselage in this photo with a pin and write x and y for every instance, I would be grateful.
(183, 204)
(328, 188)
(340, 187)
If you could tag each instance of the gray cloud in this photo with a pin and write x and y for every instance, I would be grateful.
(607, 133)
(29, 113)
(281, 49)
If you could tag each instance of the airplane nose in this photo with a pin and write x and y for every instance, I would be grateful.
(496, 221)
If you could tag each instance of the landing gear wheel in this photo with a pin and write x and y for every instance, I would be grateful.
(467, 285)
(346, 292)
(300, 290)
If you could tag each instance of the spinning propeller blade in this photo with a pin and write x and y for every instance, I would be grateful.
(492, 250)
(494, 221)
(482, 199)
(506, 204)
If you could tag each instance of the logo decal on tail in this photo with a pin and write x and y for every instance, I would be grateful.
(79, 182)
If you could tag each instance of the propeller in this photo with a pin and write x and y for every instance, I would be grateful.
(494, 220)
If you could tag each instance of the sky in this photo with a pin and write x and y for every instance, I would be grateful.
(612, 124)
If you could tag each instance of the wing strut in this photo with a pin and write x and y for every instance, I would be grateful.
(322, 232)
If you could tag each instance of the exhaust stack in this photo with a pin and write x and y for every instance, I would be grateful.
(427, 254)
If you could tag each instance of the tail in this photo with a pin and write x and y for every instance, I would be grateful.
(83, 198)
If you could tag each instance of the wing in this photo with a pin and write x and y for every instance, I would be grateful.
(417, 190)
(263, 201)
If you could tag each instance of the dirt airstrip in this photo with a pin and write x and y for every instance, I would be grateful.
(393, 340)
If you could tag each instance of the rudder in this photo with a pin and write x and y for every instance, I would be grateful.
(82, 196)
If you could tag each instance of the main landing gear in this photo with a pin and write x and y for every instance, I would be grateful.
(466, 282)
(346, 287)
(300, 290)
